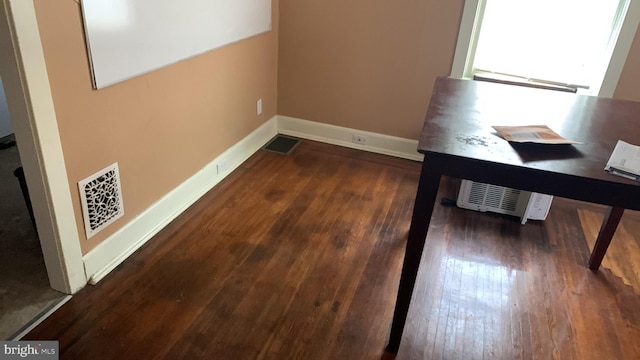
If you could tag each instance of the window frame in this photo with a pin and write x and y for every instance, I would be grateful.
(469, 32)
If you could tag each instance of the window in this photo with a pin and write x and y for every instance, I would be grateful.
(578, 43)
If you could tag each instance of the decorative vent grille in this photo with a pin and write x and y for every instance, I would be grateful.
(101, 198)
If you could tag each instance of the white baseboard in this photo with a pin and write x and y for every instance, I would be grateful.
(338, 135)
(115, 249)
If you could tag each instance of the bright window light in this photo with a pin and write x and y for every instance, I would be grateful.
(567, 41)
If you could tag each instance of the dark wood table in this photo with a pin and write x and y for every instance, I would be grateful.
(457, 140)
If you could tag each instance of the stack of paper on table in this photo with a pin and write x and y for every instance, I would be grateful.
(625, 161)
(539, 134)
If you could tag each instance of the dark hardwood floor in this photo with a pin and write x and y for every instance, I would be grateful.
(299, 256)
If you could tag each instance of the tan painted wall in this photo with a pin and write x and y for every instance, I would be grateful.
(161, 127)
(371, 64)
(629, 83)
(364, 64)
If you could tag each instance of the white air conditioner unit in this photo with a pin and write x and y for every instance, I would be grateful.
(486, 197)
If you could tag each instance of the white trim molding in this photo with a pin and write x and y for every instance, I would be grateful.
(115, 249)
(24, 74)
(621, 50)
(338, 135)
(467, 35)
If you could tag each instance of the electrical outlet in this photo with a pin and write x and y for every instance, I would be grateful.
(358, 139)
(259, 107)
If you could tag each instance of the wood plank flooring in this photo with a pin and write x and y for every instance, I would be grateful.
(489, 288)
(299, 256)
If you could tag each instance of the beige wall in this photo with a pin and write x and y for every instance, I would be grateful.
(364, 64)
(370, 64)
(161, 127)
(629, 83)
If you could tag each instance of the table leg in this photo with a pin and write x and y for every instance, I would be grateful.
(426, 197)
(608, 228)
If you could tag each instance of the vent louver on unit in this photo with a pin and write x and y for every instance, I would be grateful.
(510, 199)
(101, 198)
(486, 197)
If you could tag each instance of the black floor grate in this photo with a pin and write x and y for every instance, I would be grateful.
(282, 144)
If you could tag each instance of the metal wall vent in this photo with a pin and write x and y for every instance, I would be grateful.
(101, 198)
